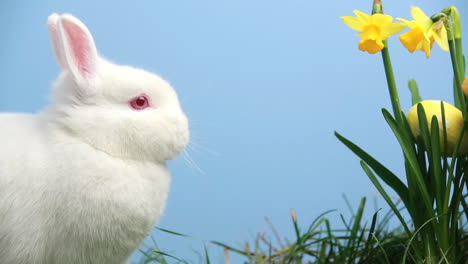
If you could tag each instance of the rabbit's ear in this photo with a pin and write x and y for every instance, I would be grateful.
(52, 26)
(79, 52)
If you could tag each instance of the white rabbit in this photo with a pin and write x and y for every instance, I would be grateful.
(85, 180)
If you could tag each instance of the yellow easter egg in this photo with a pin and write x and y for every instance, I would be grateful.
(453, 124)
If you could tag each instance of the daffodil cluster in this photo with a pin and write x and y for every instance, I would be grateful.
(376, 28)
(433, 135)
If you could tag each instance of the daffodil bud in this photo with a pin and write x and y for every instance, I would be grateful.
(377, 7)
(453, 124)
(437, 17)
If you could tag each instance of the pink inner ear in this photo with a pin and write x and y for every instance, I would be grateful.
(80, 48)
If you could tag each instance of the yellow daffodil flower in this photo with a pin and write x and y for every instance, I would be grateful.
(423, 33)
(373, 29)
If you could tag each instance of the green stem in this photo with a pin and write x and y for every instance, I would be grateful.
(458, 63)
(454, 36)
(457, 30)
(460, 57)
(392, 89)
(377, 8)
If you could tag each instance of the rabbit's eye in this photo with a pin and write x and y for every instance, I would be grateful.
(140, 102)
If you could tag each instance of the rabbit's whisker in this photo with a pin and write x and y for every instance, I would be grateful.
(191, 163)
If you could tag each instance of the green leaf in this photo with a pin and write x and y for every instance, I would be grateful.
(384, 194)
(445, 142)
(455, 161)
(413, 87)
(408, 150)
(385, 174)
(424, 129)
(465, 207)
(436, 171)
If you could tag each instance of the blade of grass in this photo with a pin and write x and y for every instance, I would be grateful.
(296, 227)
(148, 258)
(371, 230)
(387, 260)
(318, 220)
(405, 254)
(354, 241)
(169, 256)
(171, 232)
(207, 258)
(238, 251)
(348, 204)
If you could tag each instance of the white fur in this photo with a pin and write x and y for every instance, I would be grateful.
(85, 180)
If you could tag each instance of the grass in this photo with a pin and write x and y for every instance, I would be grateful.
(359, 240)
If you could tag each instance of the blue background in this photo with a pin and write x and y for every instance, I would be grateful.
(264, 83)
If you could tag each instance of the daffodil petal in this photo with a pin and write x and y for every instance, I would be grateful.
(361, 15)
(410, 24)
(440, 37)
(381, 19)
(392, 29)
(426, 47)
(353, 22)
(402, 20)
(418, 14)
